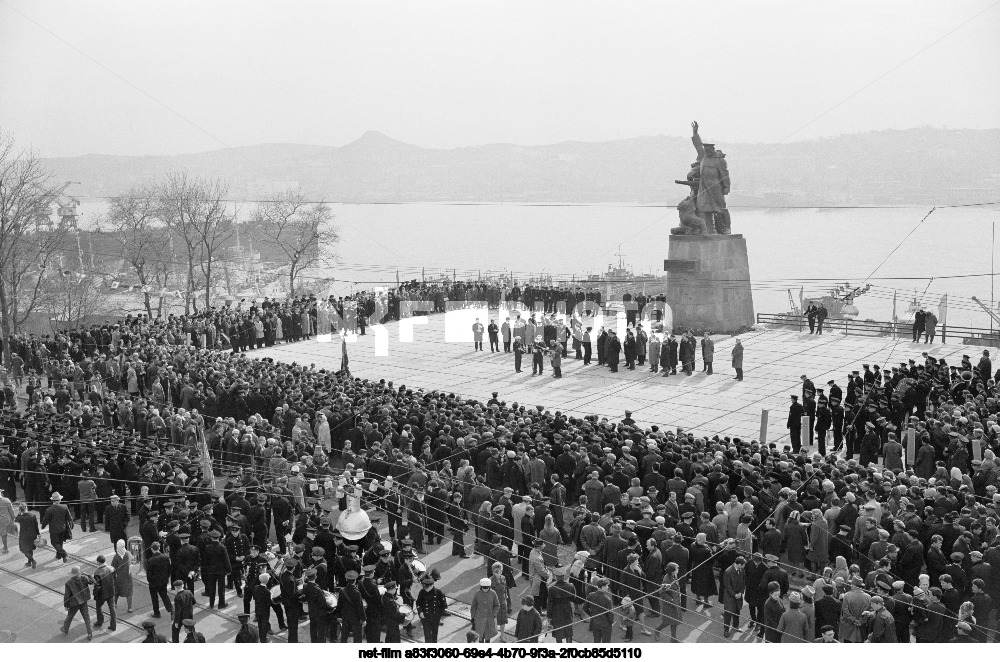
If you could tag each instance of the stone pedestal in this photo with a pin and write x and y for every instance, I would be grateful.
(708, 283)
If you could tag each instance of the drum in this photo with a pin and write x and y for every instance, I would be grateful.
(419, 567)
(331, 599)
(408, 614)
(381, 590)
(276, 593)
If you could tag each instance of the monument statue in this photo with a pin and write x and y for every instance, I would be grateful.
(704, 210)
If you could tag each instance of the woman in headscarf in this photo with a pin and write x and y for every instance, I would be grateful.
(499, 585)
(924, 582)
(795, 541)
(702, 570)
(550, 536)
(744, 535)
(819, 541)
(133, 382)
(840, 569)
(734, 514)
(323, 432)
(579, 578)
(458, 525)
(483, 533)
(669, 599)
(965, 627)
(539, 576)
(121, 563)
(826, 579)
(446, 477)
(27, 533)
(959, 478)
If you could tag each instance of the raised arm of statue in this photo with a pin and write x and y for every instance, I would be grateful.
(696, 139)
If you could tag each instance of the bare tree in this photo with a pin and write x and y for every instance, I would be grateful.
(133, 229)
(77, 297)
(300, 230)
(174, 200)
(26, 195)
(196, 214)
(214, 225)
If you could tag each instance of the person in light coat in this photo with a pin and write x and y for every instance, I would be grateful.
(484, 611)
(7, 517)
(793, 626)
(707, 353)
(654, 353)
(538, 575)
(854, 604)
(323, 432)
(819, 540)
(505, 333)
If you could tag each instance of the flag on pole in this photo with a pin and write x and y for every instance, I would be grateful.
(943, 310)
(206, 460)
(894, 306)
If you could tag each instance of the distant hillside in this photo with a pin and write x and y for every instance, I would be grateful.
(914, 166)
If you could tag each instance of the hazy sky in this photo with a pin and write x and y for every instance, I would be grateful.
(81, 77)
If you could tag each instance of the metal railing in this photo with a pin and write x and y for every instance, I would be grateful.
(944, 332)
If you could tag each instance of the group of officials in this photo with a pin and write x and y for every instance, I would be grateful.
(551, 337)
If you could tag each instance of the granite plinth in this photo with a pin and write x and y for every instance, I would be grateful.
(715, 294)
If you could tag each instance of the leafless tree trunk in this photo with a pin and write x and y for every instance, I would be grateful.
(133, 227)
(195, 211)
(26, 196)
(215, 225)
(79, 297)
(300, 230)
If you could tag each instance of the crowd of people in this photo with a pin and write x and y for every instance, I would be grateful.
(582, 520)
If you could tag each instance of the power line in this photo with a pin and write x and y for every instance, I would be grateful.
(609, 205)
